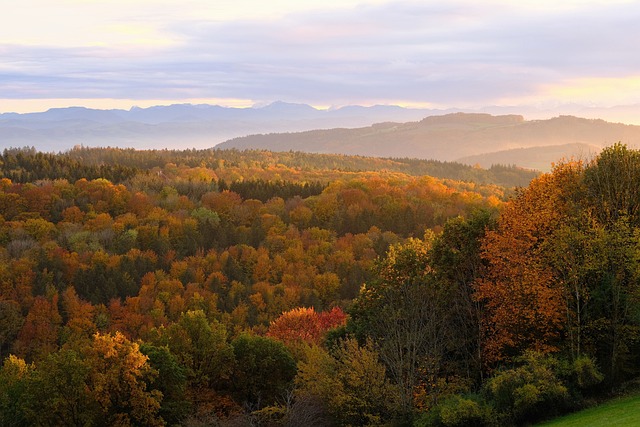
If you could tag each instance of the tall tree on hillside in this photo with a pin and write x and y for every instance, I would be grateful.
(406, 313)
(523, 302)
(457, 263)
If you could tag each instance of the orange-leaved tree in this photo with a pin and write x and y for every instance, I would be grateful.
(524, 308)
(305, 324)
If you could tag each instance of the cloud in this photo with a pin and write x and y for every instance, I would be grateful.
(585, 90)
(458, 53)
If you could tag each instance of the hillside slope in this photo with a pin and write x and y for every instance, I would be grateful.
(448, 137)
(539, 158)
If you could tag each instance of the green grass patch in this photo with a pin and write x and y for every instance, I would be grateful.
(621, 412)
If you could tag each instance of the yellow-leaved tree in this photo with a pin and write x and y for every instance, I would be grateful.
(118, 376)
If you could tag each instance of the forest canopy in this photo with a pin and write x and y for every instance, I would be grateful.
(202, 287)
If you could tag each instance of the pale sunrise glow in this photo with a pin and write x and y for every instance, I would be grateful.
(618, 91)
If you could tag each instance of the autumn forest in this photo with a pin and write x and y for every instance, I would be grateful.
(233, 288)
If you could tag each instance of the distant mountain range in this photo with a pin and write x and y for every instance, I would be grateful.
(384, 131)
(181, 125)
(470, 138)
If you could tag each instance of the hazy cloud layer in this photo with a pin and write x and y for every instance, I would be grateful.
(460, 53)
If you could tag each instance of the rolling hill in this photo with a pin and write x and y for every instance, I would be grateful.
(540, 158)
(458, 137)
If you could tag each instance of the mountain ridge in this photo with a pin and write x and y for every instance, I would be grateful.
(454, 137)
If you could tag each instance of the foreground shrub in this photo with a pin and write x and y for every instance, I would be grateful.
(458, 411)
(586, 373)
(526, 392)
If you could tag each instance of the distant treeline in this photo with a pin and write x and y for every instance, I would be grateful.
(27, 165)
(503, 175)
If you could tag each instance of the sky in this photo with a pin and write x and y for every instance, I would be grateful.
(328, 53)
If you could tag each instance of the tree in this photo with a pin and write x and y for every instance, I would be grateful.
(327, 287)
(202, 348)
(456, 261)
(406, 314)
(11, 321)
(351, 382)
(611, 327)
(119, 375)
(171, 381)
(15, 376)
(305, 324)
(39, 334)
(61, 394)
(611, 185)
(572, 254)
(79, 316)
(524, 308)
(264, 369)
